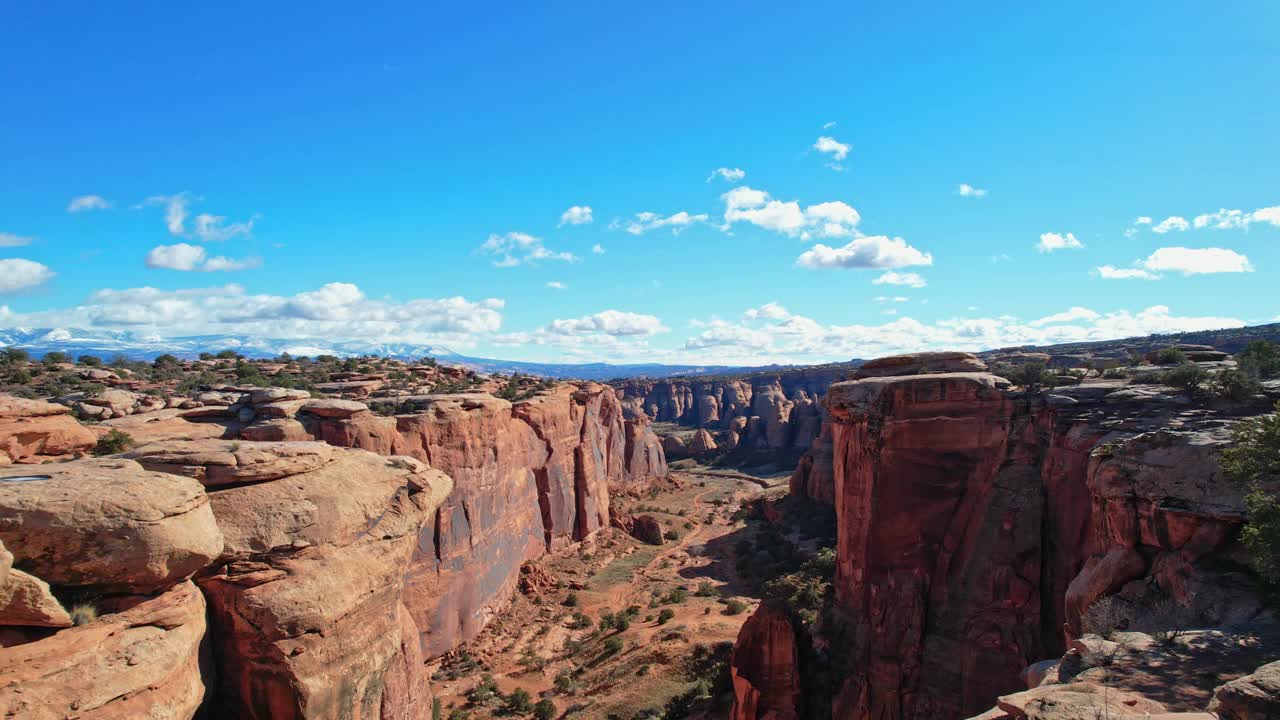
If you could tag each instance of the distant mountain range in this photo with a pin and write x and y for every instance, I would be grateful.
(107, 344)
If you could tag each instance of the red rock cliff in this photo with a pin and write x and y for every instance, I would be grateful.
(975, 523)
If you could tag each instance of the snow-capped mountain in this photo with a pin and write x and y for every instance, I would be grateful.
(107, 344)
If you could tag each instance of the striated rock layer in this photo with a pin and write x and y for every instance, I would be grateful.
(760, 412)
(976, 523)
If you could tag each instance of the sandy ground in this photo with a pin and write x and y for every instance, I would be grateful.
(536, 639)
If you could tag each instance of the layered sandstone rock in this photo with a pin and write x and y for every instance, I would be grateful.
(765, 668)
(768, 412)
(148, 661)
(307, 608)
(107, 525)
(976, 522)
(32, 431)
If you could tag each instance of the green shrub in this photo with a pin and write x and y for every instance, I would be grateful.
(437, 709)
(734, 607)
(1170, 356)
(1253, 459)
(613, 645)
(1032, 376)
(519, 702)
(1234, 385)
(1188, 378)
(571, 600)
(706, 589)
(1260, 359)
(545, 710)
(665, 615)
(484, 691)
(115, 441)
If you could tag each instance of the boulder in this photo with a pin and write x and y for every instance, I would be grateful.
(920, 364)
(702, 443)
(106, 524)
(32, 431)
(1254, 696)
(223, 462)
(646, 528)
(148, 661)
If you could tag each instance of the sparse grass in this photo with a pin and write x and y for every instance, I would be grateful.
(83, 614)
(622, 568)
(115, 441)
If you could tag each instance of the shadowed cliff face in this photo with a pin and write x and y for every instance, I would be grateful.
(976, 524)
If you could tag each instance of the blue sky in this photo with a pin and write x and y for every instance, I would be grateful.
(393, 172)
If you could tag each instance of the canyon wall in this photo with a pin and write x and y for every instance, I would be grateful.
(778, 411)
(330, 570)
(977, 523)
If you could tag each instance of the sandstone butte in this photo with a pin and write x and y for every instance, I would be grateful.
(277, 556)
(976, 525)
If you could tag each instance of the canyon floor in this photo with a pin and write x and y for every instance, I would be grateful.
(541, 643)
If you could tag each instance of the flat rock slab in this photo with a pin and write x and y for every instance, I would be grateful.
(107, 524)
(224, 462)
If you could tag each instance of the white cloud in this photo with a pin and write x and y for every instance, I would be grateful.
(1071, 315)
(1170, 224)
(175, 257)
(517, 248)
(868, 251)
(834, 219)
(333, 313)
(176, 210)
(19, 274)
(967, 190)
(87, 202)
(1055, 241)
(189, 258)
(576, 215)
(207, 226)
(215, 228)
(609, 322)
(597, 249)
(1221, 219)
(909, 279)
(11, 240)
(1110, 272)
(828, 125)
(646, 221)
(219, 263)
(732, 175)
(781, 336)
(887, 299)
(1197, 261)
(556, 285)
(833, 148)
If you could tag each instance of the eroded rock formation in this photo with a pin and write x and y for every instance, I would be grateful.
(977, 523)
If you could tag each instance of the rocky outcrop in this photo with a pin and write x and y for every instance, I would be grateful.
(307, 602)
(1256, 695)
(976, 522)
(32, 431)
(814, 477)
(106, 525)
(148, 660)
(767, 412)
(765, 668)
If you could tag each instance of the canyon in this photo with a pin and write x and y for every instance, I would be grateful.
(399, 541)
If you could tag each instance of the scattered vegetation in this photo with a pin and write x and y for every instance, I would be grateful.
(83, 614)
(115, 441)
(1253, 459)
(1035, 377)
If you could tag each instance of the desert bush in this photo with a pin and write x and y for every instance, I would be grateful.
(1233, 385)
(665, 616)
(571, 600)
(706, 589)
(115, 441)
(1115, 373)
(1104, 617)
(1253, 459)
(1187, 377)
(437, 709)
(613, 645)
(519, 702)
(484, 691)
(1166, 620)
(83, 614)
(1260, 359)
(1032, 376)
(545, 710)
(1170, 356)
(734, 607)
